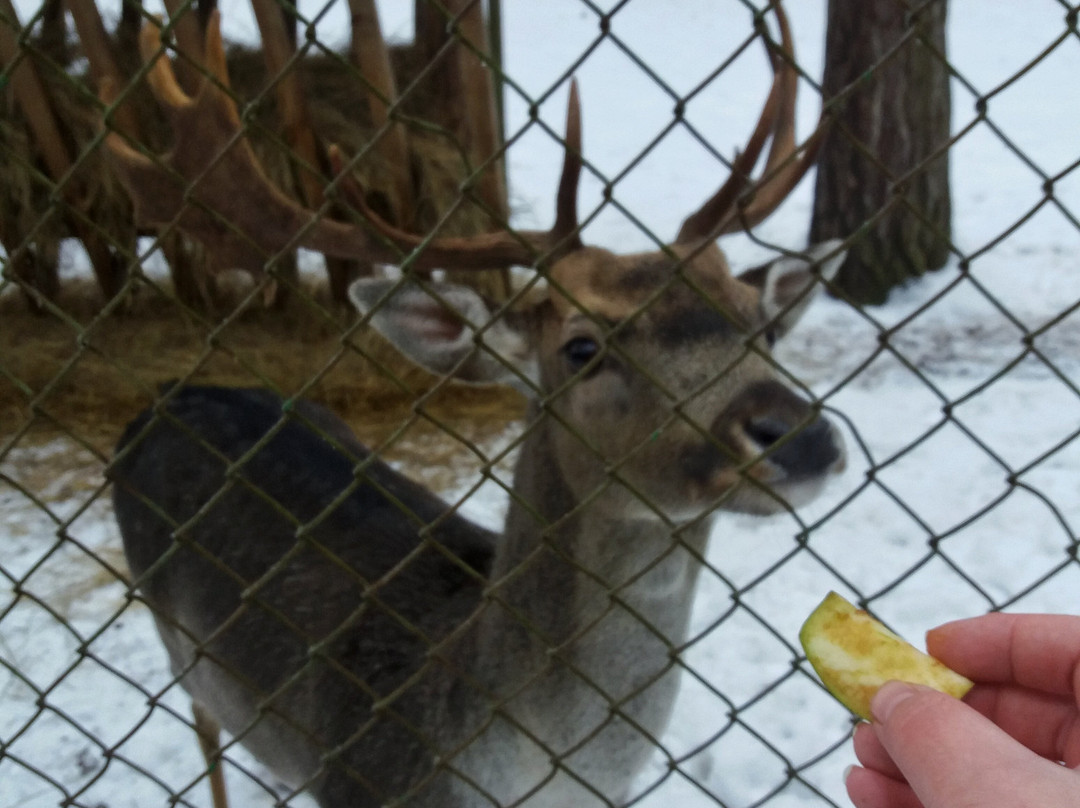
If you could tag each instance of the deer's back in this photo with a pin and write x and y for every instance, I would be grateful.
(313, 589)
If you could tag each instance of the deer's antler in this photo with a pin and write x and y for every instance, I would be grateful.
(212, 187)
(499, 248)
(723, 212)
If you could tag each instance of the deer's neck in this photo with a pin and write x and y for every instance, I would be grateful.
(575, 640)
(575, 575)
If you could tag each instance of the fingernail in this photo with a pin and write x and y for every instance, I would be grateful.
(888, 698)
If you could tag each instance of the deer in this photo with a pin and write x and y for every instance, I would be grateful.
(351, 629)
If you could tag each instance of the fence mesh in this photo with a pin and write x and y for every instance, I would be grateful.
(958, 402)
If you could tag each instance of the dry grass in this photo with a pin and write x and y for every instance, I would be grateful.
(86, 375)
(74, 370)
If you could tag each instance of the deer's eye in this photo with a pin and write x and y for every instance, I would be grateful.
(580, 351)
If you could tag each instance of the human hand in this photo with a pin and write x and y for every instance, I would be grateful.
(1004, 746)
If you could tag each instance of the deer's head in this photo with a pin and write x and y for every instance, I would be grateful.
(653, 369)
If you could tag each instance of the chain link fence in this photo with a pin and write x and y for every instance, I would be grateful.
(958, 402)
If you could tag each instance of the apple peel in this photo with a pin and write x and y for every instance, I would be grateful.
(854, 655)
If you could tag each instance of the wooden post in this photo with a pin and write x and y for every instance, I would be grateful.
(127, 30)
(103, 67)
(54, 32)
(469, 109)
(278, 50)
(372, 58)
(479, 125)
(33, 99)
(466, 89)
(192, 271)
(188, 34)
(430, 29)
(495, 46)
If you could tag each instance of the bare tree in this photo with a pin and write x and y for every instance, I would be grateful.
(883, 174)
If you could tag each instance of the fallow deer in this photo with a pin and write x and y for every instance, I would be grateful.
(360, 637)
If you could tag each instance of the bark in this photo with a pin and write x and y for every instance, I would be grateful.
(883, 175)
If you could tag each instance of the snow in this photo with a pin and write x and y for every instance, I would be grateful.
(960, 492)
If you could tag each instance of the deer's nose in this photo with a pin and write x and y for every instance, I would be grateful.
(771, 420)
(801, 449)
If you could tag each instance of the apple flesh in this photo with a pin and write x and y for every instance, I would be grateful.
(854, 655)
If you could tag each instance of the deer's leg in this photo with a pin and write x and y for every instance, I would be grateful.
(209, 732)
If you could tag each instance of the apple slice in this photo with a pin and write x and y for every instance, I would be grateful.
(854, 655)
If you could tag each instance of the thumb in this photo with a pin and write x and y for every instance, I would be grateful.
(953, 757)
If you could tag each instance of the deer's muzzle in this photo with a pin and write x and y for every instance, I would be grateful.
(771, 436)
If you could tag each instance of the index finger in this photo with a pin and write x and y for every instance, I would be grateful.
(1038, 651)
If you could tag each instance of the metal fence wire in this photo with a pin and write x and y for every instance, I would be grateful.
(221, 265)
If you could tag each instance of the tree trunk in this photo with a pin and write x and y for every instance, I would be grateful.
(883, 174)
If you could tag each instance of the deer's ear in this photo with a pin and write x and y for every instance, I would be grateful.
(448, 329)
(788, 285)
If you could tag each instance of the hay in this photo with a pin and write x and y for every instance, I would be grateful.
(88, 378)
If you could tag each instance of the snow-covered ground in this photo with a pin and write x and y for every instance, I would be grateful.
(966, 418)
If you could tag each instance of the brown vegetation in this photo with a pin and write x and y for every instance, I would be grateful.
(85, 375)
(411, 172)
